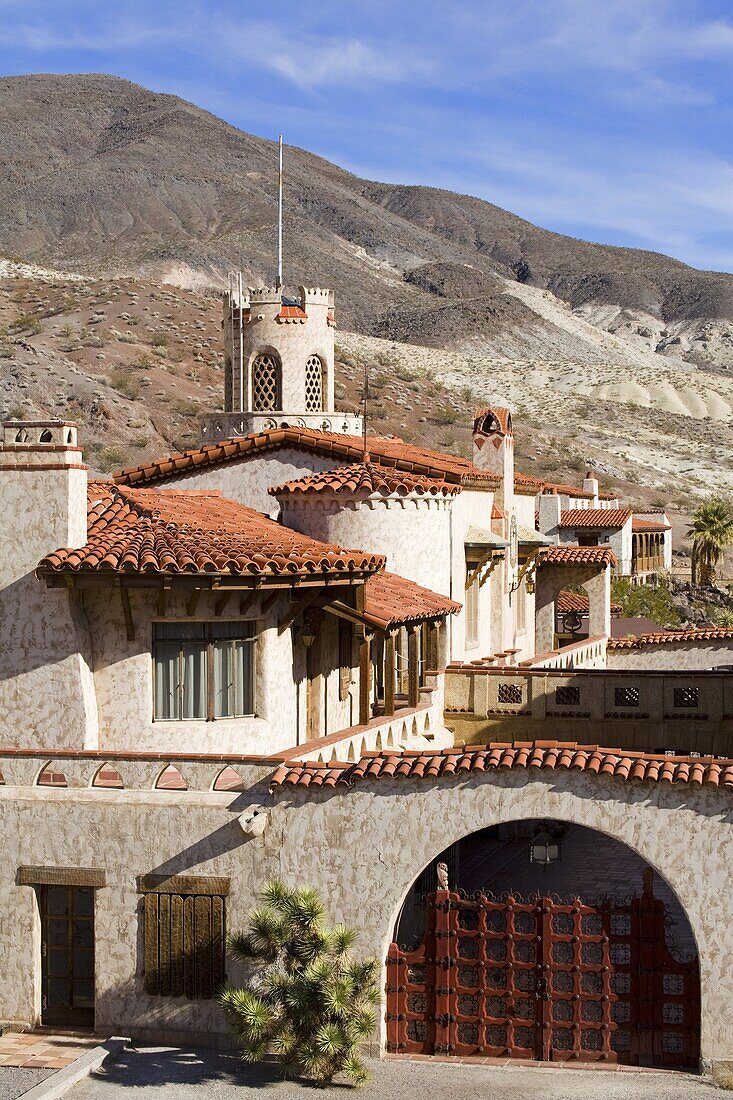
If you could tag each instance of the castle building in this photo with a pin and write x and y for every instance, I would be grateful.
(296, 652)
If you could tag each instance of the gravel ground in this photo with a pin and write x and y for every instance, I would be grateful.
(164, 1073)
(15, 1081)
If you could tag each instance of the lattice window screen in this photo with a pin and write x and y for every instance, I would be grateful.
(184, 945)
(313, 384)
(266, 383)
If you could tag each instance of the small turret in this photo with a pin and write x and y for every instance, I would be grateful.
(279, 364)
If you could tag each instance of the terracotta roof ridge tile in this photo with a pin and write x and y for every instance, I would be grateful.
(623, 765)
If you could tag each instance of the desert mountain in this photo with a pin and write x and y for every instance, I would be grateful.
(104, 177)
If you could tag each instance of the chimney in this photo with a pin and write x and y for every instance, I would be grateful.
(47, 689)
(43, 493)
(493, 450)
(549, 517)
(590, 485)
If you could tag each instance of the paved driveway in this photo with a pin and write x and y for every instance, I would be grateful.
(164, 1073)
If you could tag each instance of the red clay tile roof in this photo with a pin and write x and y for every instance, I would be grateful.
(670, 637)
(526, 484)
(546, 755)
(393, 601)
(569, 490)
(578, 555)
(290, 313)
(639, 524)
(386, 452)
(369, 479)
(147, 531)
(574, 601)
(594, 517)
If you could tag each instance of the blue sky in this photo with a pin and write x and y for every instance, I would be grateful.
(605, 119)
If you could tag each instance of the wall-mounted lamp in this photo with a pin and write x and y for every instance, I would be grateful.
(544, 849)
(307, 635)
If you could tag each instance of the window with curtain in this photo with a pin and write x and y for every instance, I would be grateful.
(203, 670)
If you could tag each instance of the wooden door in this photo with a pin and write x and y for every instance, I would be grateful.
(67, 955)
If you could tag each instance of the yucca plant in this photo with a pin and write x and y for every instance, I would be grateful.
(308, 1002)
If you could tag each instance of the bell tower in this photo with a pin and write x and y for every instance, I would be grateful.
(279, 363)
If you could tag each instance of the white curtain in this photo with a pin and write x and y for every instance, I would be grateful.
(194, 680)
(166, 679)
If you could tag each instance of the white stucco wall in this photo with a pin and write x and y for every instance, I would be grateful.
(46, 692)
(123, 678)
(413, 531)
(362, 848)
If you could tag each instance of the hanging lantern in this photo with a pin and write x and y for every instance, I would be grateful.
(307, 635)
(544, 849)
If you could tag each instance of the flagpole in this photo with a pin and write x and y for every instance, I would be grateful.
(280, 216)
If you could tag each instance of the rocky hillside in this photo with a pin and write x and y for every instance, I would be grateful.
(103, 177)
(135, 363)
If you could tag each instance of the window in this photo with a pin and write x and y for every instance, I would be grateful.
(471, 606)
(266, 383)
(626, 697)
(686, 697)
(566, 696)
(313, 384)
(185, 935)
(203, 670)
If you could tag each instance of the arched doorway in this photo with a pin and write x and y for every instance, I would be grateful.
(587, 957)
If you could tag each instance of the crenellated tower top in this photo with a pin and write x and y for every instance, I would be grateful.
(279, 363)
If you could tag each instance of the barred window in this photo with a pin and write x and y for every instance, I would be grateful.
(314, 384)
(567, 696)
(626, 697)
(686, 697)
(185, 935)
(510, 693)
(203, 670)
(266, 383)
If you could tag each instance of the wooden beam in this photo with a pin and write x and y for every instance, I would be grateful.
(267, 603)
(161, 603)
(296, 609)
(389, 673)
(221, 603)
(127, 612)
(413, 667)
(192, 603)
(246, 602)
(343, 611)
(364, 684)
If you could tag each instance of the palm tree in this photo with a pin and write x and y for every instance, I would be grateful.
(308, 1002)
(712, 532)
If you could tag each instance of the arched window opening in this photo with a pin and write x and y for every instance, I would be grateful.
(229, 780)
(21, 436)
(51, 776)
(45, 436)
(266, 383)
(108, 776)
(314, 384)
(170, 779)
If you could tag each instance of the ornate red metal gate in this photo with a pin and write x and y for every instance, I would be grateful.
(545, 980)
